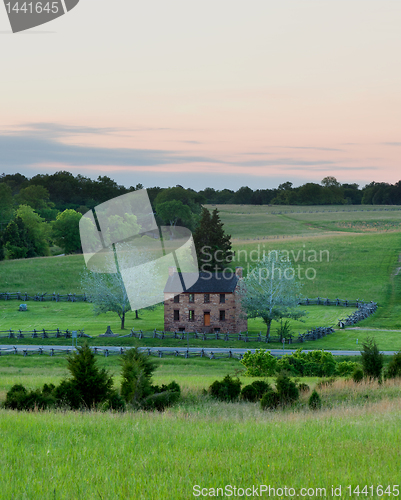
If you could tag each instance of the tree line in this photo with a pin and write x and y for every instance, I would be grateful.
(41, 212)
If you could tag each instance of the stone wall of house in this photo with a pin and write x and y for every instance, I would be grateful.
(232, 323)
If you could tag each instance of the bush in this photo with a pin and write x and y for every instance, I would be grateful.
(287, 389)
(114, 402)
(357, 376)
(302, 387)
(394, 367)
(372, 359)
(137, 370)
(67, 395)
(261, 387)
(270, 400)
(284, 330)
(249, 393)
(18, 398)
(253, 392)
(164, 396)
(259, 364)
(346, 368)
(315, 402)
(325, 382)
(227, 389)
(316, 363)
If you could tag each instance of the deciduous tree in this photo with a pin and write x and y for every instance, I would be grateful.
(66, 231)
(270, 290)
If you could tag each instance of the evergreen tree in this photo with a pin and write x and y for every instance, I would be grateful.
(89, 385)
(213, 246)
(136, 376)
(372, 359)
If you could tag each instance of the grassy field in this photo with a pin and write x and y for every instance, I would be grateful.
(79, 316)
(354, 440)
(88, 456)
(361, 263)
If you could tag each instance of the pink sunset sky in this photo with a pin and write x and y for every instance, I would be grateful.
(219, 94)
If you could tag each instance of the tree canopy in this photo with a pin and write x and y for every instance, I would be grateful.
(66, 231)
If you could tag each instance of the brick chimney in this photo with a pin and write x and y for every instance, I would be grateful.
(172, 270)
(238, 272)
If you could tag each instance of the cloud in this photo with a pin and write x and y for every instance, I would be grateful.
(57, 130)
(311, 148)
(391, 143)
(40, 147)
(26, 149)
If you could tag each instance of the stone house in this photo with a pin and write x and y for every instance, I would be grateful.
(211, 304)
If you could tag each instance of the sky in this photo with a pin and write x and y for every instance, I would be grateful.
(217, 94)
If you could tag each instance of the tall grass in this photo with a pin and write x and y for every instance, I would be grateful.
(162, 456)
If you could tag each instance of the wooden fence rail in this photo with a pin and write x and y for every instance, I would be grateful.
(41, 334)
(202, 353)
(74, 297)
(44, 297)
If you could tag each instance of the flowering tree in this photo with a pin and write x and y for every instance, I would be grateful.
(270, 290)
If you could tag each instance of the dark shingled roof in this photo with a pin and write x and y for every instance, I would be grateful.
(207, 283)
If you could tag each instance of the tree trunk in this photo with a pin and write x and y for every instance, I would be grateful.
(136, 314)
(268, 323)
(122, 320)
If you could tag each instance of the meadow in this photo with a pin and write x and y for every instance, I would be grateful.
(354, 440)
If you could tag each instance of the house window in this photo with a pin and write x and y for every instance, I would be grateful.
(176, 299)
(191, 315)
(207, 298)
(222, 315)
(176, 315)
(191, 298)
(217, 330)
(222, 298)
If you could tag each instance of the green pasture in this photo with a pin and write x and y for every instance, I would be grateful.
(250, 221)
(80, 316)
(42, 275)
(348, 266)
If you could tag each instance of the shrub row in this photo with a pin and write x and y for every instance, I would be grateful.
(286, 392)
(91, 387)
(300, 364)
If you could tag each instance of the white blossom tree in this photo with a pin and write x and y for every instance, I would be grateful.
(271, 291)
